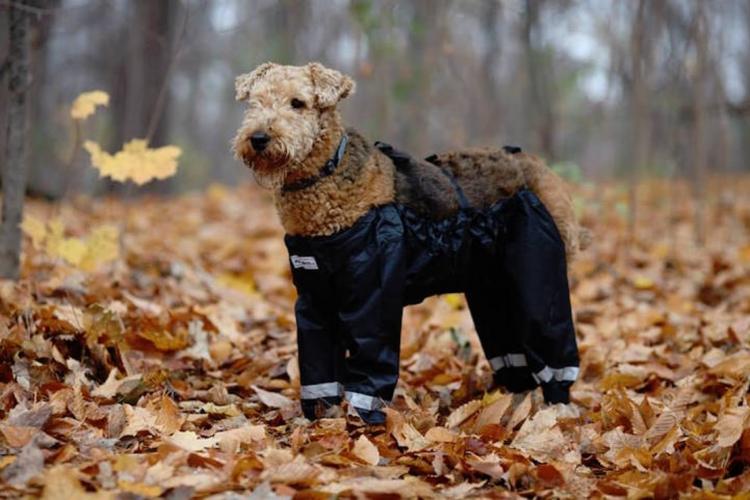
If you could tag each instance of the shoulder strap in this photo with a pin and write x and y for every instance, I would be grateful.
(463, 202)
(402, 161)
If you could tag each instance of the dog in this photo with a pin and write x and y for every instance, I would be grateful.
(370, 229)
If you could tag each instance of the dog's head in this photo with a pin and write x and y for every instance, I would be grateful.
(288, 108)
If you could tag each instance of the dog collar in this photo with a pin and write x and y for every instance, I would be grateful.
(328, 169)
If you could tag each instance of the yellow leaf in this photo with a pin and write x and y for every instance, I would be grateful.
(455, 300)
(217, 193)
(34, 229)
(745, 253)
(166, 341)
(102, 245)
(61, 482)
(86, 103)
(71, 250)
(7, 460)
(643, 282)
(243, 283)
(136, 162)
(124, 463)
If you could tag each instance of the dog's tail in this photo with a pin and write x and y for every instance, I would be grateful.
(554, 193)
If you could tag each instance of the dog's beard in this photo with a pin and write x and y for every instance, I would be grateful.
(270, 179)
(270, 172)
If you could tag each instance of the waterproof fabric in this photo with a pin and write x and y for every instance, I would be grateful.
(509, 260)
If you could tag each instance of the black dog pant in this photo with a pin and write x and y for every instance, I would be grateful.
(352, 286)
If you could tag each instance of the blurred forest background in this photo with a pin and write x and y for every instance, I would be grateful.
(601, 87)
(148, 346)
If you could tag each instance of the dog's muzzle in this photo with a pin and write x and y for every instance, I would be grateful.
(259, 141)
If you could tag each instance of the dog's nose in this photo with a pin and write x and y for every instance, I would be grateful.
(259, 140)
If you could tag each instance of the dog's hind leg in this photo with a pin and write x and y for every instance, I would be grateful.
(492, 309)
(542, 319)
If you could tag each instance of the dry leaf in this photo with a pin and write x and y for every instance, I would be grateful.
(541, 438)
(168, 416)
(296, 472)
(272, 399)
(731, 424)
(440, 435)
(100, 247)
(521, 412)
(86, 103)
(494, 413)
(135, 162)
(61, 483)
(190, 441)
(140, 489)
(231, 440)
(366, 451)
(462, 413)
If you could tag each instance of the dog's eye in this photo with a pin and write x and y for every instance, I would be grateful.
(298, 103)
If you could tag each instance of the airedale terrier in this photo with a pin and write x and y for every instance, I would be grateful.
(370, 229)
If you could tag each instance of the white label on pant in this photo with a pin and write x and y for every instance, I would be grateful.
(304, 262)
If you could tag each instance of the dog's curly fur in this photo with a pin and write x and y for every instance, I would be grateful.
(303, 137)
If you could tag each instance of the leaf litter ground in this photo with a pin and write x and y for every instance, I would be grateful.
(170, 371)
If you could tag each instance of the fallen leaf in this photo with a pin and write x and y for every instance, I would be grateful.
(62, 483)
(366, 451)
(460, 414)
(272, 399)
(731, 424)
(140, 489)
(190, 441)
(520, 412)
(231, 440)
(28, 464)
(494, 413)
(168, 417)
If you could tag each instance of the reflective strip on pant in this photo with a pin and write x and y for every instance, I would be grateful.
(363, 401)
(325, 390)
(508, 361)
(567, 374)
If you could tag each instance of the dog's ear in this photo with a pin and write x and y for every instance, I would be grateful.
(330, 85)
(244, 83)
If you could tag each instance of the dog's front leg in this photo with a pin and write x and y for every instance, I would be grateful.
(320, 355)
(370, 311)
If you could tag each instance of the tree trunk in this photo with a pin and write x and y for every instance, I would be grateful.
(542, 121)
(486, 111)
(14, 168)
(141, 97)
(639, 123)
(700, 38)
(150, 54)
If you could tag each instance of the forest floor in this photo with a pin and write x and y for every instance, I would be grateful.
(170, 370)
